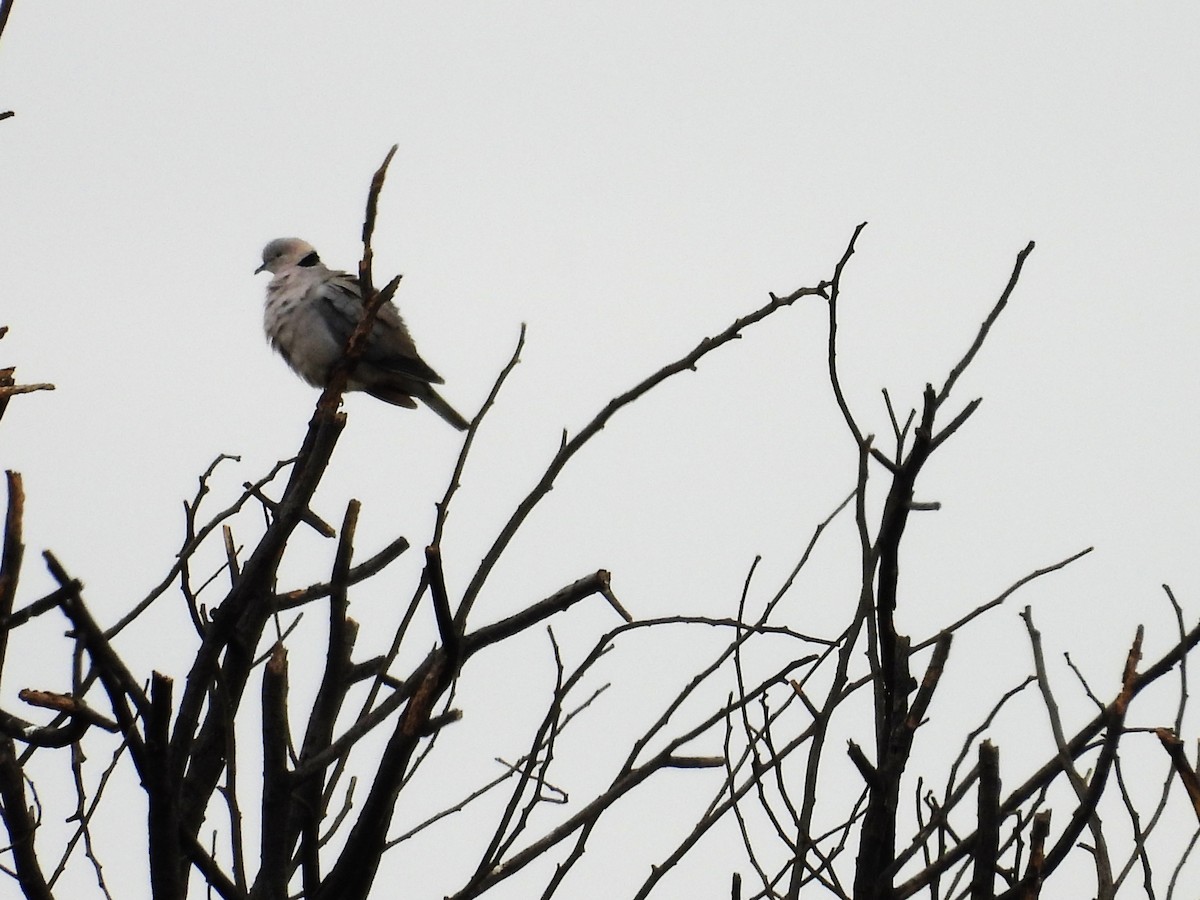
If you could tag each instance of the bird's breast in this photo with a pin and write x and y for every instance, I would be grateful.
(296, 329)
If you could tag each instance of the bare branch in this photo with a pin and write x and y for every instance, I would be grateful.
(835, 287)
(1187, 775)
(441, 603)
(988, 806)
(364, 570)
(1012, 589)
(570, 447)
(368, 229)
(272, 880)
(21, 825)
(195, 541)
(12, 552)
(1104, 874)
(443, 507)
(11, 390)
(961, 367)
(307, 516)
(66, 703)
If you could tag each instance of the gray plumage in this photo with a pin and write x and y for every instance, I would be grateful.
(309, 315)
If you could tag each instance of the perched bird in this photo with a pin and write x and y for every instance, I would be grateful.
(312, 310)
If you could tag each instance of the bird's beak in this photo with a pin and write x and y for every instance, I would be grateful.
(261, 268)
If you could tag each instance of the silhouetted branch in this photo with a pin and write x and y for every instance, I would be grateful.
(196, 539)
(73, 707)
(366, 569)
(441, 602)
(368, 229)
(1012, 589)
(510, 771)
(307, 516)
(306, 813)
(166, 852)
(1187, 775)
(118, 682)
(988, 809)
(21, 825)
(1031, 884)
(275, 849)
(835, 289)
(961, 367)
(572, 446)
(1076, 746)
(5, 10)
(12, 553)
(1103, 865)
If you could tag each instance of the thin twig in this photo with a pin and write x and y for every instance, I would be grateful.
(572, 446)
(986, 326)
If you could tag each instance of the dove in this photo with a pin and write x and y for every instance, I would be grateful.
(309, 315)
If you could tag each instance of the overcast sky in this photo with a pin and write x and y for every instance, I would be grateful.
(624, 178)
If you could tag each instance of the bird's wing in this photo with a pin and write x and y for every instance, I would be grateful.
(389, 347)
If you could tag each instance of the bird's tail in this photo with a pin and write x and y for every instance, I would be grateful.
(435, 402)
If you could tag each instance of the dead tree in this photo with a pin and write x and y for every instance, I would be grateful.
(776, 729)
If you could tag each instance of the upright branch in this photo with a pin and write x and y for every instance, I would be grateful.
(275, 845)
(12, 554)
(15, 810)
(835, 290)
(896, 721)
(983, 878)
(368, 229)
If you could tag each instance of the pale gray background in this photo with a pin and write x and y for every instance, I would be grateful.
(625, 178)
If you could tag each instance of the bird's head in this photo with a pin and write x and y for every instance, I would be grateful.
(283, 253)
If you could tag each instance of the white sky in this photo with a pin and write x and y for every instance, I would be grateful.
(626, 179)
